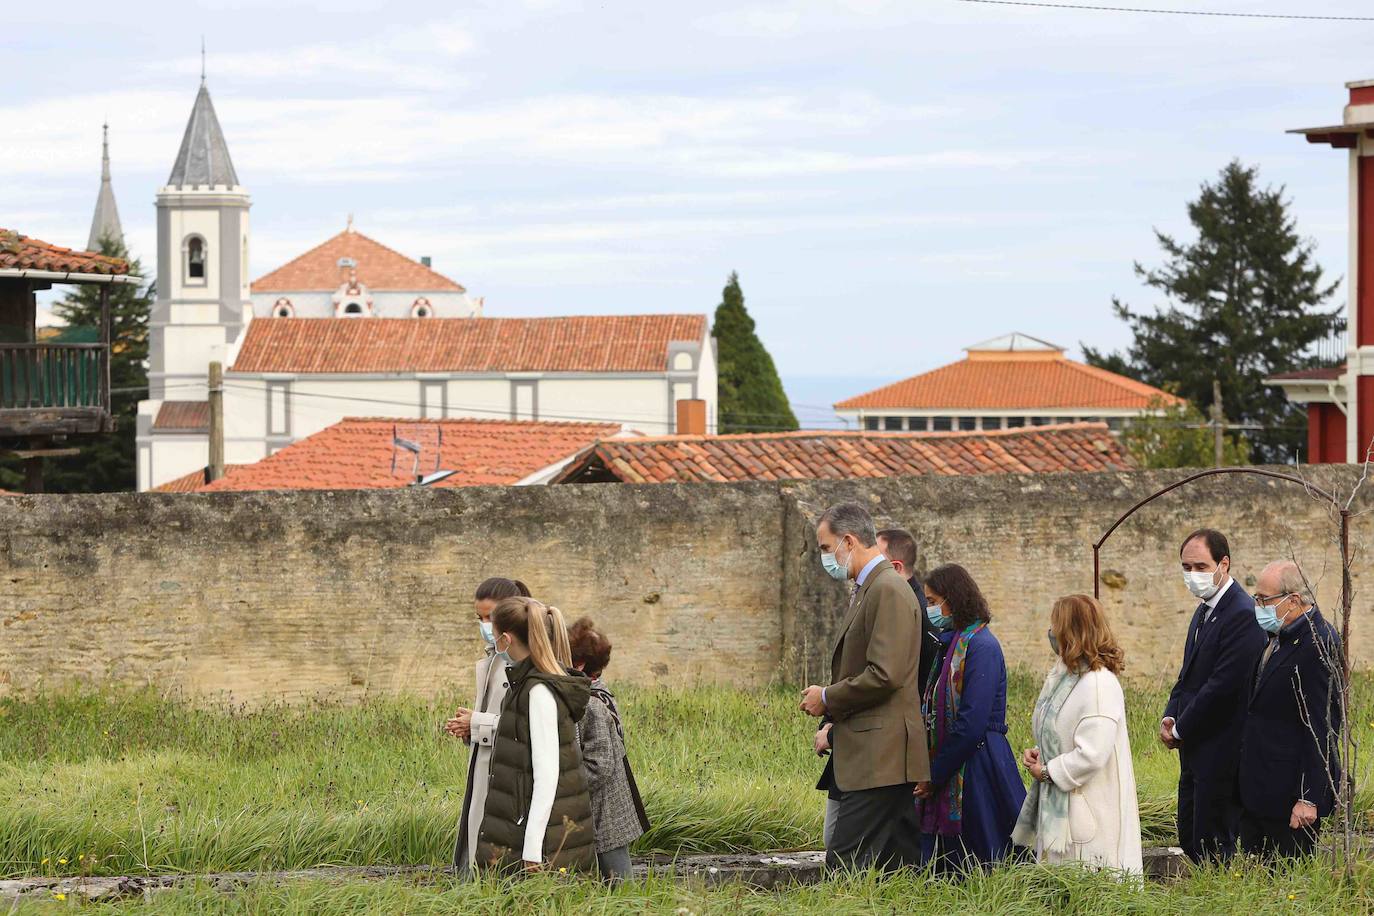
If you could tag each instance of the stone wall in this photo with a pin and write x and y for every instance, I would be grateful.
(1028, 540)
(283, 595)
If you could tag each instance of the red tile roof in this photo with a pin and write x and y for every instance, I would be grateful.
(190, 483)
(822, 455)
(24, 253)
(611, 343)
(1012, 381)
(187, 415)
(357, 454)
(378, 267)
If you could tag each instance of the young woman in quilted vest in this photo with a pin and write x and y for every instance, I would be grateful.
(538, 812)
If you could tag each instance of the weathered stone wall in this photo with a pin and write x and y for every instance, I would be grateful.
(291, 594)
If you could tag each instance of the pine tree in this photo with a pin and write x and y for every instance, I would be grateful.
(1243, 302)
(751, 395)
(106, 463)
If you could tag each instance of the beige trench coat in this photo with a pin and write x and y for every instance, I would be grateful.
(492, 683)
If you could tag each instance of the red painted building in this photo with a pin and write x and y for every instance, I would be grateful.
(1340, 401)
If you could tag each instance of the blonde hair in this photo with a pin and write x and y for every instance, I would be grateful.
(1085, 638)
(558, 637)
(540, 628)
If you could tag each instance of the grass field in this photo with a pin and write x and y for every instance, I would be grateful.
(122, 783)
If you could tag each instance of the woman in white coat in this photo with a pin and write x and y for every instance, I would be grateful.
(477, 726)
(1082, 805)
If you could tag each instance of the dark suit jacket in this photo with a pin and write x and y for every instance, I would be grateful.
(1292, 724)
(930, 640)
(1209, 699)
(879, 735)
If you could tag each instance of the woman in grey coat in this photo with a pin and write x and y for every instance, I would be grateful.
(617, 810)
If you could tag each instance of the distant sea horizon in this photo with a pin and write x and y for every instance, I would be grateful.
(811, 396)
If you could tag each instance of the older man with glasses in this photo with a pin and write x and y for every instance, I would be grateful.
(1289, 766)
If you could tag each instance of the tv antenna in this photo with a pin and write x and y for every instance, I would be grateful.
(420, 442)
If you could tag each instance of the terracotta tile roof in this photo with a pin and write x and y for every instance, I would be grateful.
(611, 343)
(190, 483)
(986, 382)
(187, 415)
(378, 267)
(823, 455)
(24, 253)
(357, 454)
(1323, 374)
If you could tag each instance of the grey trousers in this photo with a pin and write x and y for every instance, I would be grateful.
(832, 811)
(614, 864)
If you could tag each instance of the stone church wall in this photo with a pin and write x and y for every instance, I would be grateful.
(286, 595)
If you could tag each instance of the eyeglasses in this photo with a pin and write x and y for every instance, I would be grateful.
(1265, 599)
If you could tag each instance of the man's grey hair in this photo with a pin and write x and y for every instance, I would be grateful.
(852, 519)
(1291, 581)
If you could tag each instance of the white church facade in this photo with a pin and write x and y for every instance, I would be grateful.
(353, 328)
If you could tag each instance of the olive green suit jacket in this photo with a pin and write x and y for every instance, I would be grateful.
(879, 735)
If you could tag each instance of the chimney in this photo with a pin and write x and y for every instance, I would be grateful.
(691, 418)
(424, 259)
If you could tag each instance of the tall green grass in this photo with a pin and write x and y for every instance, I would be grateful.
(1305, 887)
(120, 783)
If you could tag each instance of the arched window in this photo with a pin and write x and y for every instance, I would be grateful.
(421, 309)
(195, 259)
(283, 308)
(353, 309)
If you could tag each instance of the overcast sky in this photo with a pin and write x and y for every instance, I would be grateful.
(892, 180)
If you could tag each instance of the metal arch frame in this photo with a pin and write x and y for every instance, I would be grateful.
(1311, 488)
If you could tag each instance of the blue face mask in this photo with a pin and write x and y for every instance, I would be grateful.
(1267, 617)
(502, 653)
(487, 636)
(937, 620)
(831, 564)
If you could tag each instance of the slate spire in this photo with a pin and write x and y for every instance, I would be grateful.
(204, 157)
(105, 221)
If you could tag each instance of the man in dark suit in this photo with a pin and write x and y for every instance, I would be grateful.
(1289, 763)
(873, 700)
(899, 547)
(1206, 708)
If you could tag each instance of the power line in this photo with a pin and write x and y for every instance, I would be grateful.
(573, 418)
(1170, 12)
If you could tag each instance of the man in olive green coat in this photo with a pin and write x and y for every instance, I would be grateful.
(878, 740)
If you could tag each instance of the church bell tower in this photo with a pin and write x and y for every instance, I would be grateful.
(202, 261)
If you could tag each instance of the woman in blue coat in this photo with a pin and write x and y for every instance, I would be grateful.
(970, 805)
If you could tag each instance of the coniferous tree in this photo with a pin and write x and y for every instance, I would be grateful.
(750, 392)
(106, 463)
(1243, 302)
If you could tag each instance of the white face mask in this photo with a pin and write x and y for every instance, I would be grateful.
(1201, 584)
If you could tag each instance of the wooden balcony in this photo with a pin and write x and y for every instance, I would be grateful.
(52, 389)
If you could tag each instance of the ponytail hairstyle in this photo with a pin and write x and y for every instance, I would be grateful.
(498, 589)
(532, 623)
(558, 637)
